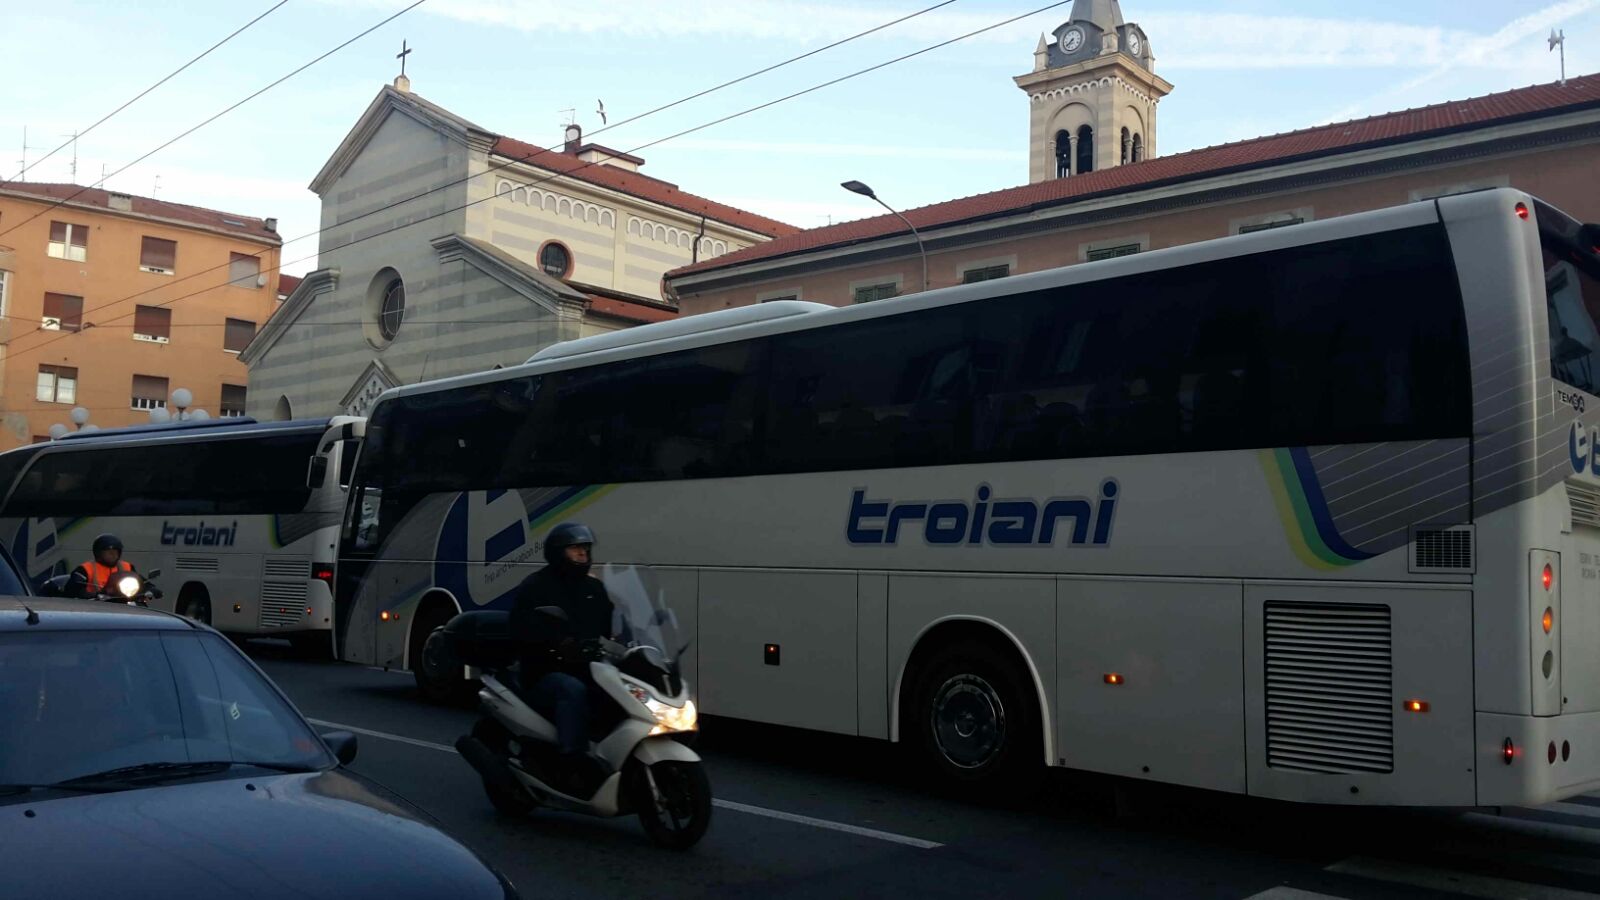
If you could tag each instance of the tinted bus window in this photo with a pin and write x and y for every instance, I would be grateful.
(1572, 298)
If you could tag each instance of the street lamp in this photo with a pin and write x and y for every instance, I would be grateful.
(856, 187)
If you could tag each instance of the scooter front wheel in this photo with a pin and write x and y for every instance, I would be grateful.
(674, 802)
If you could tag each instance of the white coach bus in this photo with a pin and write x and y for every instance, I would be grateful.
(1309, 514)
(241, 517)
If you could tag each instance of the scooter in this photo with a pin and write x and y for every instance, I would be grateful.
(128, 587)
(514, 749)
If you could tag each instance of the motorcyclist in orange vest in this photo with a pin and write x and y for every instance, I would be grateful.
(94, 577)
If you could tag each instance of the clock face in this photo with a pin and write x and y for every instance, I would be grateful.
(1133, 43)
(1071, 40)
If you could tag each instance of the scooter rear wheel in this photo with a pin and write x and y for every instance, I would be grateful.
(676, 813)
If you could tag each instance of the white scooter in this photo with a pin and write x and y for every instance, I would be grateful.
(653, 774)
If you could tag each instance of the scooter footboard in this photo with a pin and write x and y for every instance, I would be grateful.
(663, 749)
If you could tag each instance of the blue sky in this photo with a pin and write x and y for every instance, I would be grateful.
(946, 124)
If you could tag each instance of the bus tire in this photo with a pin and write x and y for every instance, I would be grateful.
(437, 680)
(974, 719)
(195, 603)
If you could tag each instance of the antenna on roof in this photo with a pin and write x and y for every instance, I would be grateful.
(572, 117)
(155, 186)
(23, 175)
(1559, 39)
(74, 137)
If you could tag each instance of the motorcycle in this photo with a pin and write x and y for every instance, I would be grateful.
(638, 733)
(126, 587)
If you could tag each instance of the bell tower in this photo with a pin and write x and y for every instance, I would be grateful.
(1092, 94)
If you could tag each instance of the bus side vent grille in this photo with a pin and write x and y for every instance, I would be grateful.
(1585, 503)
(293, 567)
(1442, 548)
(282, 603)
(1330, 706)
(196, 564)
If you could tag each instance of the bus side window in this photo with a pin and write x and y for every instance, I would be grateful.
(348, 451)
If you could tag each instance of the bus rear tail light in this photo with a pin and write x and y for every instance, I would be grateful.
(1508, 751)
(1548, 577)
(323, 572)
(1522, 210)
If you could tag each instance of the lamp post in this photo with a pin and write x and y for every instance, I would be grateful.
(856, 187)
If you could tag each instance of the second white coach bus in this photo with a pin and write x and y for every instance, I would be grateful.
(1310, 514)
(241, 517)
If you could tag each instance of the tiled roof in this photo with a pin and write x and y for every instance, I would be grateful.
(146, 206)
(287, 284)
(642, 186)
(1325, 140)
(620, 305)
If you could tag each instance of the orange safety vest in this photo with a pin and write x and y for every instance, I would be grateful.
(100, 576)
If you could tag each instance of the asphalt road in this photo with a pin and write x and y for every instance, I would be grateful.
(808, 815)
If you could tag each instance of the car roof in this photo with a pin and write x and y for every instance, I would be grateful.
(84, 615)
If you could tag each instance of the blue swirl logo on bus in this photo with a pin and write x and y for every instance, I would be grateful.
(1583, 446)
(1080, 521)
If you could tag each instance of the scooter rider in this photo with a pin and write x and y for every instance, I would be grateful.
(94, 577)
(554, 666)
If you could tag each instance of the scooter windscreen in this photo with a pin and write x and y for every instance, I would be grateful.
(645, 623)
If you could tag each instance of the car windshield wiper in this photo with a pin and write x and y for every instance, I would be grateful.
(294, 768)
(9, 790)
(145, 772)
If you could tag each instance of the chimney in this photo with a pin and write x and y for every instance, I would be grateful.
(122, 202)
(272, 225)
(574, 139)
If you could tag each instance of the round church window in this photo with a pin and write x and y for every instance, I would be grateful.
(393, 310)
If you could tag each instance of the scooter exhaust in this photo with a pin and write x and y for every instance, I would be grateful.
(491, 767)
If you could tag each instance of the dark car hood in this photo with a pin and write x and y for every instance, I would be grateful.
(317, 835)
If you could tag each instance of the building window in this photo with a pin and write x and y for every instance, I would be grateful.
(152, 323)
(244, 270)
(1085, 151)
(158, 255)
(871, 292)
(1113, 252)
(1267, 226)
(149, 392)
(5, 280)
(392, 312)
(1138, 148)
(555, 259)
(57, 384)
(985, 273)
(233, 401)
(62, 312)
(69, 241)
(1063, 154)
(237, 335)
(1127, 147)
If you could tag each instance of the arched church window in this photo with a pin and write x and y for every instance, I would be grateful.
(1085, 150)
(1063, 154)
(1127, 146)
(1138, 148)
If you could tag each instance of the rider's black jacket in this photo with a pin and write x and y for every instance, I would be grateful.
(551, 647)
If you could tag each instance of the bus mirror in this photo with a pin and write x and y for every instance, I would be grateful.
(317, 472)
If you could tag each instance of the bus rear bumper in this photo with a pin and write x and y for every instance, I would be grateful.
(1549, 758)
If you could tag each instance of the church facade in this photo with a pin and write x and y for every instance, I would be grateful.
(1098, 188)
(448, 249)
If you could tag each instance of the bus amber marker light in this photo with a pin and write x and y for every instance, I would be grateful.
(1417, 706)
(1549, 619)
(1112, 678)
(384, 615)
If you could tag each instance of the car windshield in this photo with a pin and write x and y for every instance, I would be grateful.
(79, 703)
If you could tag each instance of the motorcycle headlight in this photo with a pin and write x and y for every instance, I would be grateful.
(669, 719)
(128, 586)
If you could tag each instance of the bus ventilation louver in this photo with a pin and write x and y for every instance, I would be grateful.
(1442, 548)
(197, 564)
(282, 604)
(1585, 503)
(1330, 704)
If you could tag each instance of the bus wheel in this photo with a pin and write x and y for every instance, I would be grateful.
(196, 605)
(974, 718)
(437, 679)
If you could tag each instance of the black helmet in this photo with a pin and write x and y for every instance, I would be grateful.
(105, 542)
(565, 535)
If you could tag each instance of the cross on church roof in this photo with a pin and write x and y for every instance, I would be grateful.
(404, 52)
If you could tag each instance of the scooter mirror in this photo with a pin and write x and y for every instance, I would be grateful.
(154, 574)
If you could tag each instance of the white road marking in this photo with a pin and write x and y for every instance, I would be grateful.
(781, 816)
(1292, 894)
(1451, 881)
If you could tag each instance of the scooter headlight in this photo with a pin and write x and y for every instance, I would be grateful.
(128, 586)
(669, 719)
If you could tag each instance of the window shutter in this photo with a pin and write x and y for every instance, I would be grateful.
(238, 335)
(243, 270)
(67, 308)
(152, 321)
(151, 389)
(157, 253)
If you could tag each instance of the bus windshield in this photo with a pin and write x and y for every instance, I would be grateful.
(1572, 296)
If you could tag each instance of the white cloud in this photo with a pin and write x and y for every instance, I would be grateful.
(798, 148)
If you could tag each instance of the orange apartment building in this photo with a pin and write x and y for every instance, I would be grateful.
(111, 302)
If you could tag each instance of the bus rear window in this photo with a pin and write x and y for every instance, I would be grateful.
(1572, 298)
